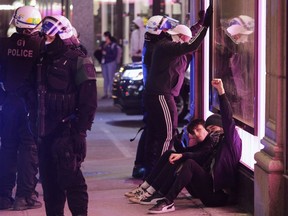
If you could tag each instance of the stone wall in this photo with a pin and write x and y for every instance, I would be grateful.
(269, 178)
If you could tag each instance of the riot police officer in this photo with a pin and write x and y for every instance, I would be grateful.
(67, 101)
(18, 152)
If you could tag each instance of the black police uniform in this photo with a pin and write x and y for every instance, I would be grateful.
(18, 152)
(69, 80)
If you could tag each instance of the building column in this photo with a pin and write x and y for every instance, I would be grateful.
(83, 21)
(269, 168)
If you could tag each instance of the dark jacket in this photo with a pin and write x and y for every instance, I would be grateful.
(225, 148)
(69, 77)
(110, 53)
(150, 41)
(15, 52)
(203, 152)
(169, 63)
(230, 149)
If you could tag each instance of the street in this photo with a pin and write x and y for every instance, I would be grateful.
(108, 169)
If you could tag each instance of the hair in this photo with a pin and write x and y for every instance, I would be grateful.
(108, 34)
(193, 124)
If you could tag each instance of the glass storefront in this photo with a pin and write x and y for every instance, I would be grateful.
(233, 57)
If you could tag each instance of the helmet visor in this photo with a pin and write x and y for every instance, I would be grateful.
(168, 23)
(49, 28)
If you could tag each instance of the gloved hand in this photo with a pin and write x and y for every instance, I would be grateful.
(177, 139)
(208, 16)
(79, 146)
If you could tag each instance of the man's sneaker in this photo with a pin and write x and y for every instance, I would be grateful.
(6, 202)
(162, 206)
(151, 199)
(138, 198)
(22, 203)
(135, 192)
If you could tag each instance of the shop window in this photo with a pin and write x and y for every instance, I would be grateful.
(234, 57)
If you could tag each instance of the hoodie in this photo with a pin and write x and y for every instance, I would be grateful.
(137, 38)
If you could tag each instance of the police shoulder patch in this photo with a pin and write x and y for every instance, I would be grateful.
(85, 70)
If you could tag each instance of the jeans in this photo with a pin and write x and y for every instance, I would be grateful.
(108, 71)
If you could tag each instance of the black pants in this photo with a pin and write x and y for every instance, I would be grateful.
(199, 183)
(164, 173)
(162, 121)
(18, 152)
(62, 178)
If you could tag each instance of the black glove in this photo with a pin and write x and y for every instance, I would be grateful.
(208, 16)
(79, 146)
(178, 141)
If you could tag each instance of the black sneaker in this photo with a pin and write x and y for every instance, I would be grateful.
(152, 199)
(6, 202)
(162, 206)
(22, 203)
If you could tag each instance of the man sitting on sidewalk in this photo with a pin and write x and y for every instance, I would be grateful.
(204, 170)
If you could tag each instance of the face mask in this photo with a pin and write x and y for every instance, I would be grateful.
(177, 39)
(242, 39)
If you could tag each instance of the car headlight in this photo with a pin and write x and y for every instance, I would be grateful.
(133, 74)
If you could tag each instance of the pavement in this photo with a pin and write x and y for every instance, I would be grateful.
(108, 169)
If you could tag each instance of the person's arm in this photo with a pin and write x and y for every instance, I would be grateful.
(177, 49)
(87, 94)
(230, 133)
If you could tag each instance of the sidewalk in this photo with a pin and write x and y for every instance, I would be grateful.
(108, 168)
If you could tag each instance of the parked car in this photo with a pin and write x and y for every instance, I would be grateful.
(128, 89)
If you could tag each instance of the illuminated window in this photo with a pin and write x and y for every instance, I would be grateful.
(234, 59)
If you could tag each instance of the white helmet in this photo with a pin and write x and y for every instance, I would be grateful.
(157, 23)
(57, 24)
(26, 17)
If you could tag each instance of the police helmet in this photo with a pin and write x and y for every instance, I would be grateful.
(157, 23)
(57, 24)
(26, 17)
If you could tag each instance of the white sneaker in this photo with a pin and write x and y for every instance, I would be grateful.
(135, 192)
(138, 198)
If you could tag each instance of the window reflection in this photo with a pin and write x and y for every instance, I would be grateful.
(233, 57)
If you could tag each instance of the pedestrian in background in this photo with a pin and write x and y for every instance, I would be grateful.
(108, 63)
(18, 151)
(137, 40)
(68, 82)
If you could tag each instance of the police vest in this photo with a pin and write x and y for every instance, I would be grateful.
(19, 55)
(60, 84)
